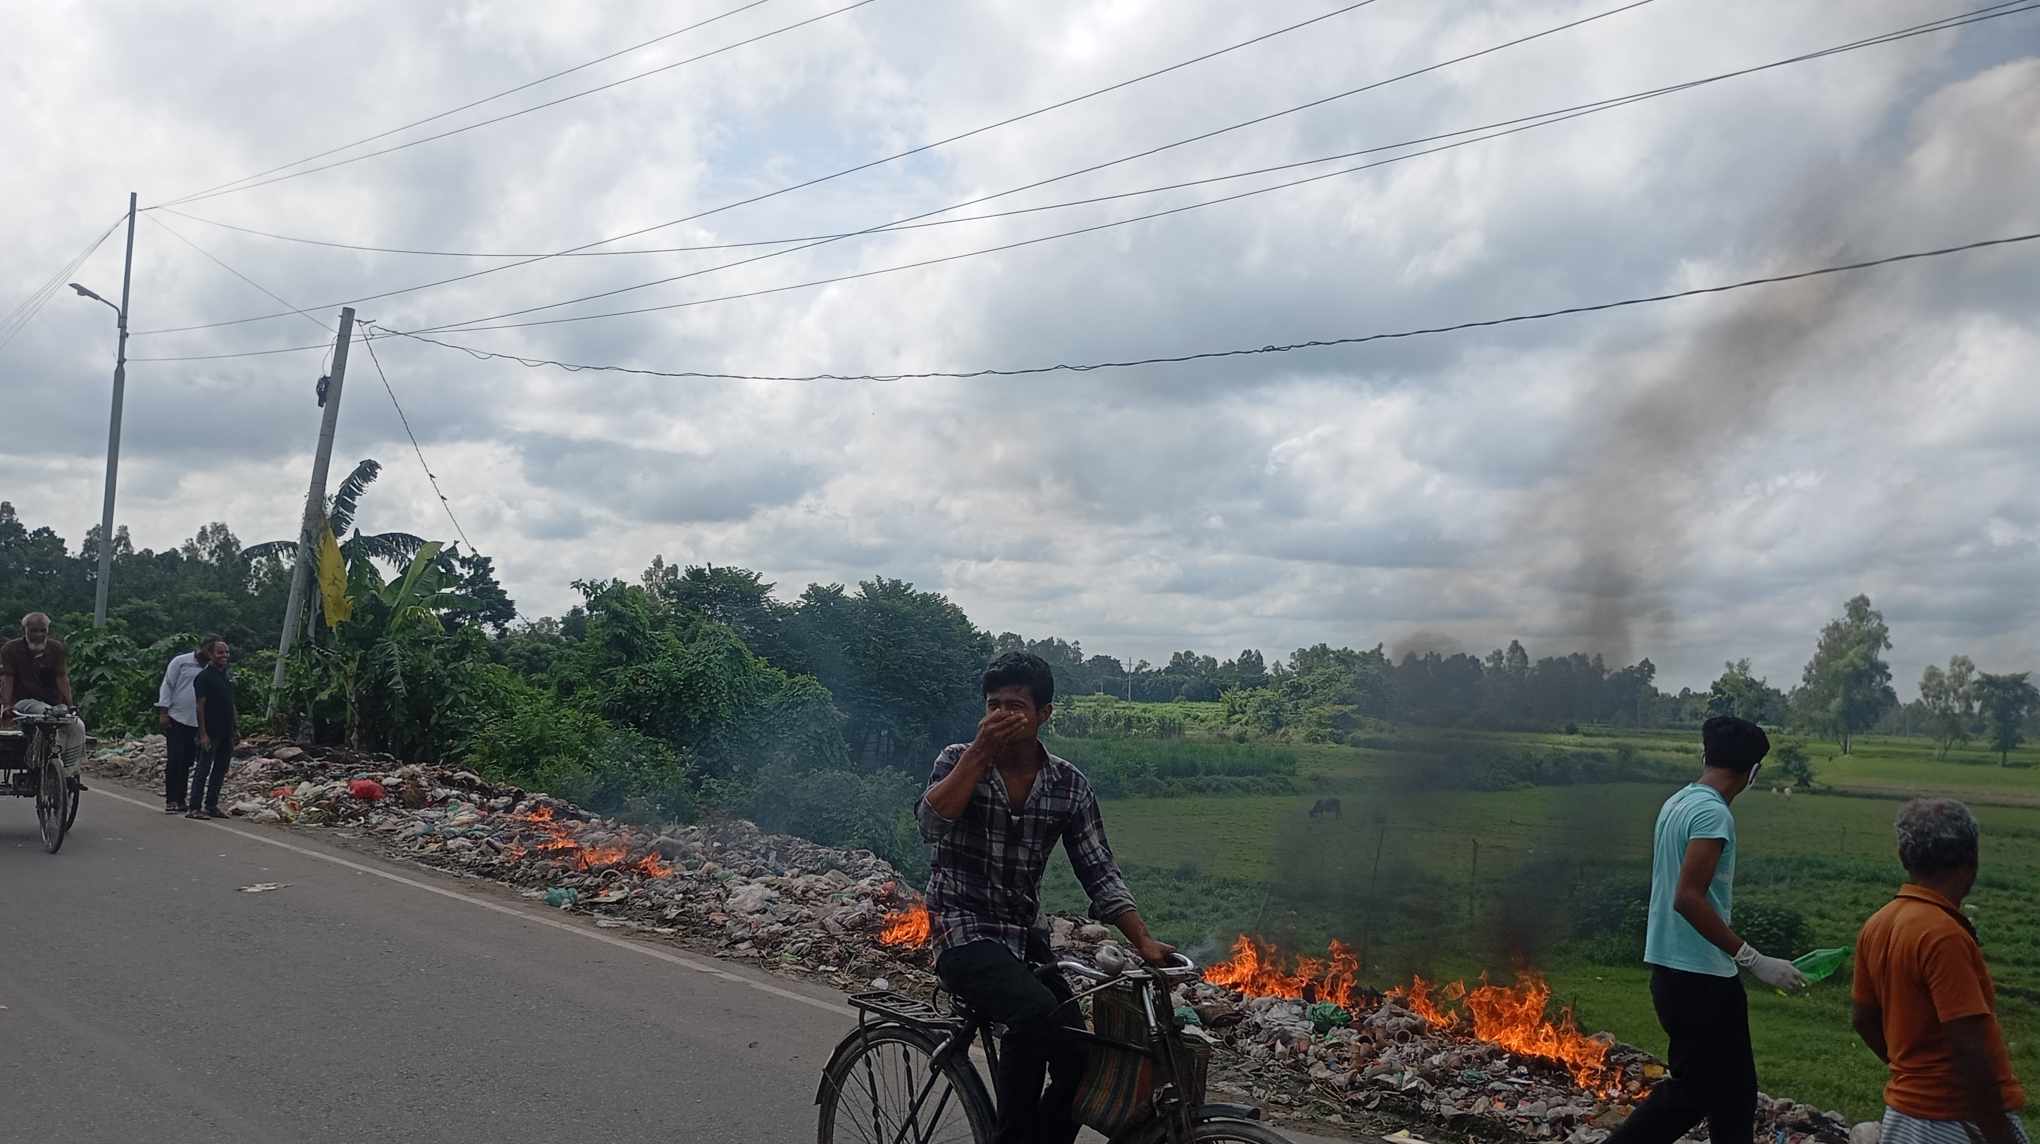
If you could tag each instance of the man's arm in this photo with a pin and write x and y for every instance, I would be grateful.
(165, 693)
(6, 698)
(1091, 857)
(204, 740)
(1868, 1020)
(1970, 1040)
(1696, 873)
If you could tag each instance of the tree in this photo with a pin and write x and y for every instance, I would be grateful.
(1950, 706)
(1792, 759)
(1847, 683)
(2005, 701)
(389, 547)
(1740, 693)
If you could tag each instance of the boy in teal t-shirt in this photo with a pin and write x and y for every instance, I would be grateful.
(1693, 954)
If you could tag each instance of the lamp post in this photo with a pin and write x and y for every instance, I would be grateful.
(120, 314)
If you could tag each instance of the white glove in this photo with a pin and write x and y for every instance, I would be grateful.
(1775, 972)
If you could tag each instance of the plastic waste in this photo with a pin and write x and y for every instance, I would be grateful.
(1821, 963)
(1325, 1016)
(561, 896)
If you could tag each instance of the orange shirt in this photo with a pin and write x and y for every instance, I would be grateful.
(1920, 966)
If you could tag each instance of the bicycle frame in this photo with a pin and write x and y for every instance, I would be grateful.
(1174, 1115)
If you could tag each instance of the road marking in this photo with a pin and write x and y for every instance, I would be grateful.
(695, 964)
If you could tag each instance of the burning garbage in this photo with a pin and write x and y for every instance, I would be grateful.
(1302, 1035)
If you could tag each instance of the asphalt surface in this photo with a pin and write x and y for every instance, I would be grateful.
(144, 997)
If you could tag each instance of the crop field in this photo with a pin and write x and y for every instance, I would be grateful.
(1456, 882)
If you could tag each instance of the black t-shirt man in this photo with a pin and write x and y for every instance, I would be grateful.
(215, 692)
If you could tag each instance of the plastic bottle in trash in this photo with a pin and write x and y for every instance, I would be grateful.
(1820, 964)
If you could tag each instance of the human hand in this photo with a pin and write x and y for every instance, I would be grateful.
(996, 731)
(1153, 952)
(1775, 972)
(205, 740)
(163, 718)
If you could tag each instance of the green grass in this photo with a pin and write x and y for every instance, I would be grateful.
(1471, 880)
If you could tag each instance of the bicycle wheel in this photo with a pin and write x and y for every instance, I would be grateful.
(54, 798)
(870, 1090)
(1235, 1132)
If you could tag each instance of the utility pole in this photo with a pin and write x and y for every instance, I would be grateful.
(127, 271)
(315, 501)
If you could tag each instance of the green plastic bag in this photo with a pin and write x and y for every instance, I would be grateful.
(561, 896)
(1325, 1016)
(1821, 963)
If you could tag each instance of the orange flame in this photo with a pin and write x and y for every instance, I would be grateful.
(1255, 970)
(909, 927)
(1511, 1016)
(653, 866)
(557, 838)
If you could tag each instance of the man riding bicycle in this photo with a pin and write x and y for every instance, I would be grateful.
(35, 673)
(994, 809)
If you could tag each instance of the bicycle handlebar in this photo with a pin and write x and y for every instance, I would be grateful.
(1179, 968)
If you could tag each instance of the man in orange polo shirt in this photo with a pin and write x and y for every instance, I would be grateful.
(1924, 1002)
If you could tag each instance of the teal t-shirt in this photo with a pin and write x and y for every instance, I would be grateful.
(1698, 811)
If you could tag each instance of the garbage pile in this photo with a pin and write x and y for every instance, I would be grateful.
(786, 902)
(1383, 1061)
(844, 917)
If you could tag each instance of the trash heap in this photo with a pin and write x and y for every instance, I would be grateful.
(813, 911)
(1384, 1062)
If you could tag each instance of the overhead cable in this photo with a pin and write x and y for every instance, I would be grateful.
(1209, 355)
(430, 477)
(815, 181)
(25, 311)
(523, 111)
(469, 106)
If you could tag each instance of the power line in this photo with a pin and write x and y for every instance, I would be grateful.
(443, 502)
(528, 110)
(221, 187)
(817, 179)
(1178, 359)
(243, 277)
(25, 311)
(1255, 121)
(1541, 120)
(1506, 127)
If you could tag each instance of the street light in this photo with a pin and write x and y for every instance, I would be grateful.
(113, 423)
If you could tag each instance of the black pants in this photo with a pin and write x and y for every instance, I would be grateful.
(210, 771)
(180, 747)
(1714, 1073)
(987, 977)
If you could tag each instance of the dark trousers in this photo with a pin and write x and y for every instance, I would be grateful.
(180, 748)
(1714, 1073)
(210, 771)
(987, 977)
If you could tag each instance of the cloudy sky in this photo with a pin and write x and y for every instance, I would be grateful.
(1690, 481)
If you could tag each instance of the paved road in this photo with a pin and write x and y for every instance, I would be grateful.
(143, 998)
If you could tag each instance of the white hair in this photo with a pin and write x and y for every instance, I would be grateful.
(1936, 835)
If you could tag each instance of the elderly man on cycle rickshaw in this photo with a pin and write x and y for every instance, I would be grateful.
(35, 691)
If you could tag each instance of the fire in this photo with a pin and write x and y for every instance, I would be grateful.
(557, 837)
(1511, 1016)
(1254, 969)
(909, 927)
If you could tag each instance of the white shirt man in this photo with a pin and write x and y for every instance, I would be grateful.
(177, 711)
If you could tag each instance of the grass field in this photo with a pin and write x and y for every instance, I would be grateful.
(1453, 882)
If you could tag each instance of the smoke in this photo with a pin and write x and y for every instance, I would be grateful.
(1423, 642)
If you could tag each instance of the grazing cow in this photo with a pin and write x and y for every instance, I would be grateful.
(1325, 806)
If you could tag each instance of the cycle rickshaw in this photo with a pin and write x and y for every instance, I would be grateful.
(32, 766)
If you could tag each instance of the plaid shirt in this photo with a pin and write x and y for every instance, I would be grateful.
(986, 884)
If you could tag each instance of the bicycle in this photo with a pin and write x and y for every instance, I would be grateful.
(38, 772)
(905, 1074)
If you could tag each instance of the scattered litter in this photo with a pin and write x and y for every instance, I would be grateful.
(262, 887)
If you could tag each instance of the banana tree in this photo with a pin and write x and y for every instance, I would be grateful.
(345, 504)
(367, 665)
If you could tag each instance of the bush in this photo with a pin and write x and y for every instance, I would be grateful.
(842, 808)
(541, 743)
(1795, 764)
(1121, 768)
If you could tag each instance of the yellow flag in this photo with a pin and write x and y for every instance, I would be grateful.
(333, 579)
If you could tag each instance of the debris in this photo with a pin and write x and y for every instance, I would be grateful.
(367, 790)
(262, 887)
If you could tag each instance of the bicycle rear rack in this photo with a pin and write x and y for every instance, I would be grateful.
(890, 1006)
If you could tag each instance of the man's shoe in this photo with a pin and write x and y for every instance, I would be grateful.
(194, 812)
(215, 812)
(174, 808)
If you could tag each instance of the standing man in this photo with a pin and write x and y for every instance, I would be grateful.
(1693, 955)
(994, 810)
(1924, 1001)
(177, 711)
(35, 671)
(213, 691)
